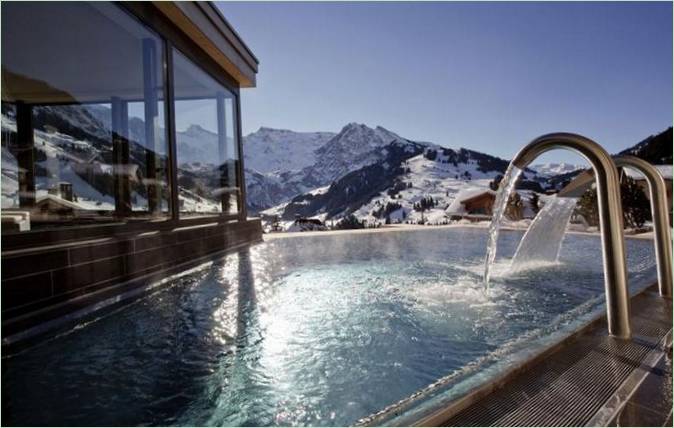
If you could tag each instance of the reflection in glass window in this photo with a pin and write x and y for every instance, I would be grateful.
(206, 139)
(83, 128)
(142, 180)
(9, 163)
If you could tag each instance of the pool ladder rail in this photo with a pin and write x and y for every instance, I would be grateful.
(660, 211)
(610, 219)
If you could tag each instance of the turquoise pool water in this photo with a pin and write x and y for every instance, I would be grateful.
(309, 330)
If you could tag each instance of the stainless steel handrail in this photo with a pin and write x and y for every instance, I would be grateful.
(660, 210)
(610, 219)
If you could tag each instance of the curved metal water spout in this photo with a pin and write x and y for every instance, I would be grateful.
(660, 210)
(610, 219)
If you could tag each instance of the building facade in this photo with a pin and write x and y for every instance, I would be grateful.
(121, 149)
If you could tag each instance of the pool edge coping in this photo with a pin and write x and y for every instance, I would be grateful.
(269, 236)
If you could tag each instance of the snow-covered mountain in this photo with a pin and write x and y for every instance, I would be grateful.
(73, 145)
(656, 149)
(323, 158)
(197, 144)
(397, 178)
(277, 150)
(552, 169)
(356, 145)
(73, 158)
(372, 173)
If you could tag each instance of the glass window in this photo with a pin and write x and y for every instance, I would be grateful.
(83, 128)
(206, 140)
(9, 163)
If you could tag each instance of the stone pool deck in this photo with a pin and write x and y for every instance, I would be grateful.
(590, 379)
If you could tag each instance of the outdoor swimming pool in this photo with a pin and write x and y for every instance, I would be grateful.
(310, 330)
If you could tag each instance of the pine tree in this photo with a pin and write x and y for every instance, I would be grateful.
(636, 206)
(587, 207)
(535, 203)
(493, 185)
(350, 222)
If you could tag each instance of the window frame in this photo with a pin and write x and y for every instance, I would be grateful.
(171, 38)
(174, 38)
(237, 135)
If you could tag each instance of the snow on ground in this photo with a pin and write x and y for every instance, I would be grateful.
(320, 190)
(467, 192)
(191, 202)
(63, 155)
(438, 179)
(552, 169)
(665, 170)
(429, 178)
(10, 184)
(445, 183)
(273, 150)
(277, 210)
(59, 163)
(88, 198)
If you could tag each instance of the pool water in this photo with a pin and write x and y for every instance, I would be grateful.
(308, 330)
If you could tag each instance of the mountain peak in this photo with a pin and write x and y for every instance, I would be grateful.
(554, 168)
(196, 129)
(271, 150)
(268, 130)
(352, 126)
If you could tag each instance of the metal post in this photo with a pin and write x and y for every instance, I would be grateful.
(25, 154)
(222, 152)
(610, 219)
(169, 109)
(151, 124)
(240, 174)
(660, 211)
(120, 155)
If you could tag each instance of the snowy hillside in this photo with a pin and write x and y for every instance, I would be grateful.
(355, 188)
(412, 178)
(436, 179)
(197, 144)
(56, 152)
(422, 182)
(354, 147)
(73, 145)
(279, 150)
(372, 173)
(553, 169)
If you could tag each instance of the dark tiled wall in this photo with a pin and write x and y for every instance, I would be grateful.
(35, 280)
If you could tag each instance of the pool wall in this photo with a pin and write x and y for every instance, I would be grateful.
(43, 283)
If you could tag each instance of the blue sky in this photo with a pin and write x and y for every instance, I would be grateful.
(486, 76)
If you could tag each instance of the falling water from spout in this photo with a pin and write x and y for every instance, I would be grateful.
(505, 188)
(543, 239)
